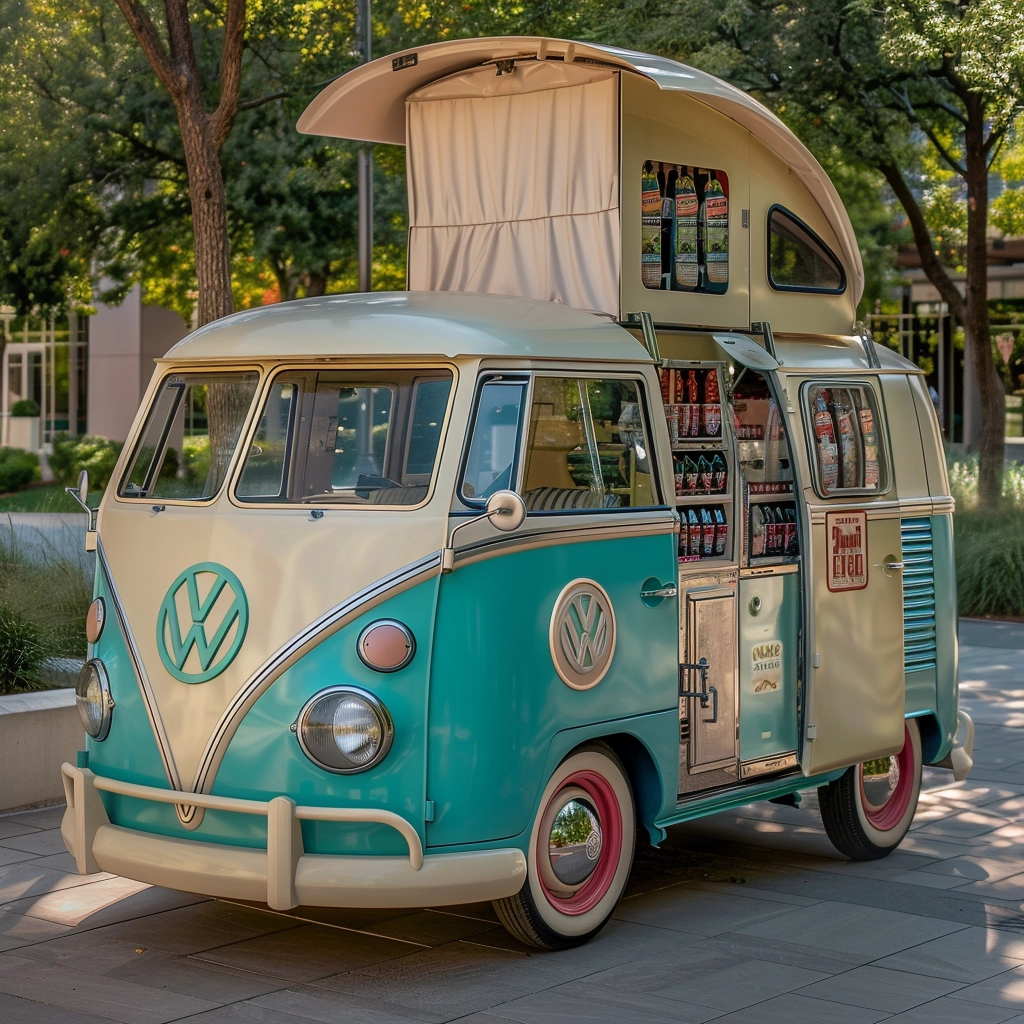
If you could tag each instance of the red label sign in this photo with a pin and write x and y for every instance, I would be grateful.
(846, 537)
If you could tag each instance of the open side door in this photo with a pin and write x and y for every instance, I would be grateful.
(853, 704)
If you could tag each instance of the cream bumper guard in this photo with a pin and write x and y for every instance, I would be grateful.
(283, 875)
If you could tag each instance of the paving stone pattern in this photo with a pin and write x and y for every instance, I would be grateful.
(749, 916)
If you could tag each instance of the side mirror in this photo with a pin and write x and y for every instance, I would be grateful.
(505, 509)
(81, 494)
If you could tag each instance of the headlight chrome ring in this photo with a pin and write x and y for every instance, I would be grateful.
(92, 695)
(344, 730)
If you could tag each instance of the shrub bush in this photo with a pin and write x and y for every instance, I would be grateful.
(25, 407)
(17, 469)
(20, 652)
(73, 454)
(990, 562)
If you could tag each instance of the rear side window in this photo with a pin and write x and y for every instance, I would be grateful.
(846, 436)
(491, 463)
(190, 436)
(798, 260)
(587, 446)
(347, 437)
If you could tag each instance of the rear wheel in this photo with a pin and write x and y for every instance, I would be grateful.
(867, 811)
(581, 850)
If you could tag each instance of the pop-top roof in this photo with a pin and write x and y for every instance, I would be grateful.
(368, 104)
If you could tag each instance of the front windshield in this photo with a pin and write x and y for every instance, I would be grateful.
(353, 437)
(190, 435)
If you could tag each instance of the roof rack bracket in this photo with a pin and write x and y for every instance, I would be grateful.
(646, 322)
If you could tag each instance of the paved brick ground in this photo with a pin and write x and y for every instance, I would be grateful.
(746, 917)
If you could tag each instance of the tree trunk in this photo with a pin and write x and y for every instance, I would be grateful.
(976, 323)
(209, 212)
(316, 283)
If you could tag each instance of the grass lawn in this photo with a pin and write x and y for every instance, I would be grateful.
(43, 498)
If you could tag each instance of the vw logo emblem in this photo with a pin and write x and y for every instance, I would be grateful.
(204, 611)
(582, 634)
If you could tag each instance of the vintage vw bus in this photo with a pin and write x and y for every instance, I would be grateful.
(615, 520)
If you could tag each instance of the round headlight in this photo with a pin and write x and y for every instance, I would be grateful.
(344, 729)
(92, 695)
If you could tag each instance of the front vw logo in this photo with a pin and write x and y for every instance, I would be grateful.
(582, 634)
(201, 623)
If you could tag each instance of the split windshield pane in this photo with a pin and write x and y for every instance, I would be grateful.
(190, 435)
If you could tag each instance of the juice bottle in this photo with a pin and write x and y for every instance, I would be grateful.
(792, 546)
(716, 234)
(665, 377)
(771, 532)
(828, 453)
(686, 272)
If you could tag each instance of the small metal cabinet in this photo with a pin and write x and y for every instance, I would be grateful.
(769, 605)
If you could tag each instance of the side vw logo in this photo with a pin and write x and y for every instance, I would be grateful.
(582, 634)
(216, 622)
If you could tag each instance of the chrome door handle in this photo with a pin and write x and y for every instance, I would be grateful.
(669, 591)
(893, 565)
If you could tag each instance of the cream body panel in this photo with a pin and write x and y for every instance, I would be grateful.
(292, 567)
(855, 696)
(676, 128)
(931, 438)
(907, 471)
(773, 182)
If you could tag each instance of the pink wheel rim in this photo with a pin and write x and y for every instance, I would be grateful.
(602, 797)
(887, 816)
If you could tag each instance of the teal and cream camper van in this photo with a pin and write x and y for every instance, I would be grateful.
(613, 520)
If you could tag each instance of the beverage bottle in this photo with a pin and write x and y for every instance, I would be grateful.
(867, 433)
(718, 474)
(691, 472)
(848, 448)
(716, 234)
(708, 523)
(711, 393)
(781, 531)
(686, 269)
(692, 387)
(828, 453)
(792, 545)
(693, 522)
(721, 532)
(704, 480)
(770, 531)
(757, 532)
(680, 477)
(650, 241)
(665, 377)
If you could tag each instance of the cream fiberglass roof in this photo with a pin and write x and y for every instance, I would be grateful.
(368, 104)
(412, 325)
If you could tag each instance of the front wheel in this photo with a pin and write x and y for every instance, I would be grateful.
(581, 850)
(868, 810)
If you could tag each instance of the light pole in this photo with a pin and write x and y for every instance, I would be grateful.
(364, 32)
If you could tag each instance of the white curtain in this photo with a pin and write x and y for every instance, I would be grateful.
(514, 184)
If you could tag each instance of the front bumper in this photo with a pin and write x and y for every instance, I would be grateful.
(282, 875)
(961, 755)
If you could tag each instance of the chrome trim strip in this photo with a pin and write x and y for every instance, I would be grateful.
(146, 688)
(526, 539)
(300, 644)
(896, 509)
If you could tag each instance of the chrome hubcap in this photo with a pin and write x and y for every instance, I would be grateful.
(574, 843)
(881, 777)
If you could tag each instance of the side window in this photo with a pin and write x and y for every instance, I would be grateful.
(491, 464)
(587, 446)
(798, 260)
(266, 464)
(845, 432)
(684, 228)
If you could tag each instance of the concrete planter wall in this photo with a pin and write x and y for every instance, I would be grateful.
(38, 731)
(23, 432)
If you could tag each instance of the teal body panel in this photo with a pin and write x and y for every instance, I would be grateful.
(496, 701)
(768, 717)
(130, 752)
